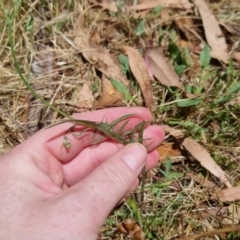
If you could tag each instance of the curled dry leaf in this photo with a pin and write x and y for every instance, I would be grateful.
(187, 26)
(161, 69)
(139, 70)
(236, 56)
(233, 215)
(102, 60)
(229, 194)
(109, 5)
(168, 150)
(110, 96)
(203, 181)
(213, 32)
(178, 134)
(200, 154)
(131, 229)
(182, 4)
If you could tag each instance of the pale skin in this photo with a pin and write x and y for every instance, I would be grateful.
(50, 192)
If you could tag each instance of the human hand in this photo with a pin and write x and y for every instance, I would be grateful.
(50, 192)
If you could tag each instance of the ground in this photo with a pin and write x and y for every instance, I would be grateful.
(178, 58)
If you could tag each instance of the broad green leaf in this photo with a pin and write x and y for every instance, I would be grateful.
(180, 69)
(121, 88)
(205, 57)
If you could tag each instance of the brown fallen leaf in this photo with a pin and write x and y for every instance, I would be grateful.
(236, 56)
(201, 155)
(167, 150)
(182, 4)
(111, 6)
(203, 181)
(229, 194)
(233, 215)
(139, 70)
(109, 97)
(187, 26)
(85, 98)
(102, 60)
(178, 134)
(131, 228)
(161, 69)
(213, 32)
(217, 212)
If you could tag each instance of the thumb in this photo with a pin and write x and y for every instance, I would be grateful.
(100, 191)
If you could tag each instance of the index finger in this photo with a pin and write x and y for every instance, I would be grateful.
(52, 138)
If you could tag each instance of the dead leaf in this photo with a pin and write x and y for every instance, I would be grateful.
(216, 212)
(234, 215)
(187, 26)
(111, 6)
(229, 194)
(236, 56)
(213, 32)
(139, 70)
(168, 150)
(102, 60)
(216, 128)
(200, 154)
(178, 134)
(182, 4)
(190, 45)
(110, 96)
(203, 181)
(85, 98)
(161, 69)
(141, 15)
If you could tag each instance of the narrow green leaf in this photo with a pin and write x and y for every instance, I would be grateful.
(124, 63)
(135, 210)
(140, 28)
(189, 102)
(157, 9)
(205, 57)
(233, 88)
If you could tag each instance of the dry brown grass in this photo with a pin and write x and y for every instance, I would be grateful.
(175, 204)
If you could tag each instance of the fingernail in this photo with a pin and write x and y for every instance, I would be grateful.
(134, 155)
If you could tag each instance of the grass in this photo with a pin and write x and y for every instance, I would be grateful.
(175, 204)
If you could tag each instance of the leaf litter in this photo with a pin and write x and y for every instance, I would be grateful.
(213, 32)
(103, 61)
